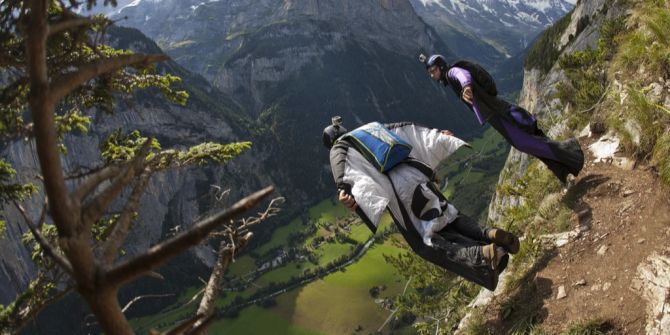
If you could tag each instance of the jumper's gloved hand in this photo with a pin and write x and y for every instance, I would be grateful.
(347, 200)
(467, 94)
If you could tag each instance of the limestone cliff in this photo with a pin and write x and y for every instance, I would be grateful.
(538, 94)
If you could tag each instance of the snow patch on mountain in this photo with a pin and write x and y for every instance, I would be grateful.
(540, 5)
(509, 23)
(462, 7)
(200, 4)
(439, 3)
(490, 6)
(528, 18)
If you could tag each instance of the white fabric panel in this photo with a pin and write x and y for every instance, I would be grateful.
(373, 191)
(429, 145)
(406, 179)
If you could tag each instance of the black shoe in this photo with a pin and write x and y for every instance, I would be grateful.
(504, 239)
(494, 255)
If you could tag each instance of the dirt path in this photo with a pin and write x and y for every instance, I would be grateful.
(625, 217)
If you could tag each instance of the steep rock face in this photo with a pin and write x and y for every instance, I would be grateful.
(281, 38)
(173, 198)
(653, 284)
(538, 93)
(200, 35)
(508, 25)
(391, 23)
(16, 268)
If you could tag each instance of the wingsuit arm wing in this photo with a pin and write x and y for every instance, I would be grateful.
(357, 177)
(429, 145)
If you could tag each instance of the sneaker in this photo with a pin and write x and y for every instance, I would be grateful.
(504, 239)
(493, 255)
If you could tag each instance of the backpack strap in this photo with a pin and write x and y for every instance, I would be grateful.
(479, 75)
(428, 172)
(421, 166)
(407, 224)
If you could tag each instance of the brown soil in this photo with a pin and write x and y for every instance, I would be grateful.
(626, 212)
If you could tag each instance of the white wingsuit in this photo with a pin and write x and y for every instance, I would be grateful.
(420, 211)
(373, 190)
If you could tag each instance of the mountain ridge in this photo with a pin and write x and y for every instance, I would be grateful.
(508, 26)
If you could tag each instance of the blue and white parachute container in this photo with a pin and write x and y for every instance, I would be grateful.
(381, 147)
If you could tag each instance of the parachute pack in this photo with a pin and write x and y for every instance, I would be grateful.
(381, 147)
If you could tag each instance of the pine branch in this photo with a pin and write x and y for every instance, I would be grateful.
(122, 226)
(226, 253)
(94, 210)
(30, 312)
(67, 24)
(272, 210)
(239, 238)
(93, 181)
(66, 83)
(8, 61)
(195, 296)
(166, 250)
(44, 244)
(138, 298)
(43, 214)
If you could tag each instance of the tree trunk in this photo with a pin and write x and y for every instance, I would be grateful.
(105, 306)
(206, 307)
(42, 108)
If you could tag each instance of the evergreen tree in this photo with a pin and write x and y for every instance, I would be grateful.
(54, 70)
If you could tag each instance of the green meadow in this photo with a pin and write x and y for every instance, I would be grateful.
(336, 304)
(280, 236)
(242, 265)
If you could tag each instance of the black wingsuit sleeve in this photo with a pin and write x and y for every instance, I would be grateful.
(338, 159)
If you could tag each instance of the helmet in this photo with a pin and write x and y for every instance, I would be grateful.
(438, 60)
(333, 132)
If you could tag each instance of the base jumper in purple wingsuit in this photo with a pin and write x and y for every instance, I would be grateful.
(477, 89)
